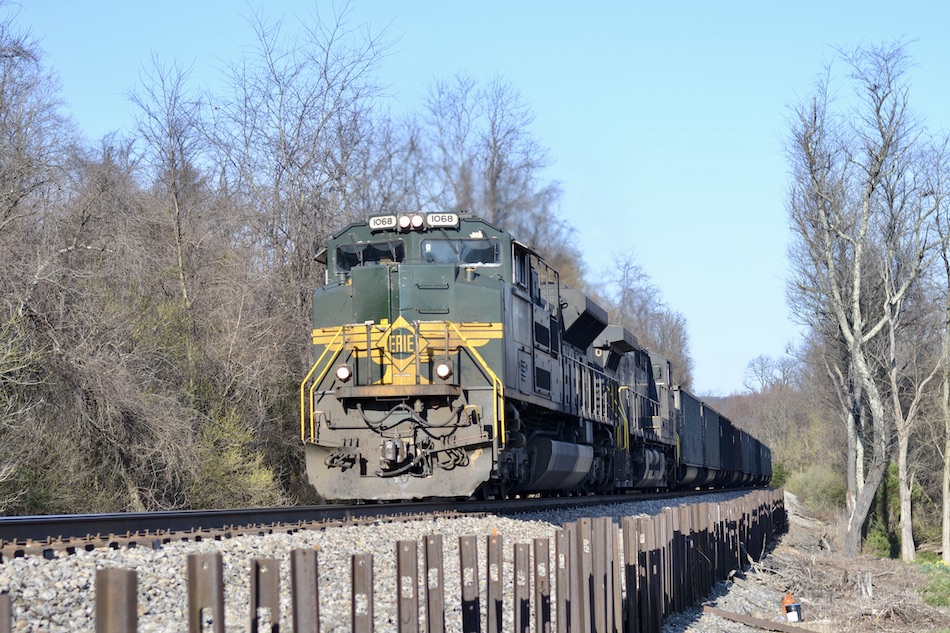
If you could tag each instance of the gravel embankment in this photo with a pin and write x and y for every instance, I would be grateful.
(59, 595)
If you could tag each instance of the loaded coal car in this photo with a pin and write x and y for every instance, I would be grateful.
(449, 361)
(713, 452)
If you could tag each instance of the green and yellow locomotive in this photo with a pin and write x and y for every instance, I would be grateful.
(449, 361)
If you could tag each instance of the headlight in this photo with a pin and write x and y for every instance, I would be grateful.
(443, 369)
(344, 373)
(414, 221)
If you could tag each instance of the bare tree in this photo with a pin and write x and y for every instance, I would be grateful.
(169, 126)
(911, 199)
(121, 350)
(855, 258)
(453, 127)
(484, 159)
(34, 132)
(636, 303)
(35, 141)
(21, 376)
(784, 409)
(287, 137)
(943, 228)
(780, 417)
(388, 171)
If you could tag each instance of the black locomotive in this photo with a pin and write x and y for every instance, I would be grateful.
(449, 361)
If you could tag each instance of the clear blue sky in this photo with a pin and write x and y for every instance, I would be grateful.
(666, 120)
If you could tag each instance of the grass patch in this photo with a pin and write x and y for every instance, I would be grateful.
(820, 488)
(937, 591)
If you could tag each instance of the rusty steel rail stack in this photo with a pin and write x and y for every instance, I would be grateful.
(606, 578)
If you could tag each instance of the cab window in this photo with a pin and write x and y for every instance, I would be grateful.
(351, 255)
(477, 251)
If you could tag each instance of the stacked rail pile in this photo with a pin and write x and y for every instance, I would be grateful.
(604, 577)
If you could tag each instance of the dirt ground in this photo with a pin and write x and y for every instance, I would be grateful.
(836, 594)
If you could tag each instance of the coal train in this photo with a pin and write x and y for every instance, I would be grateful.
(449, 361)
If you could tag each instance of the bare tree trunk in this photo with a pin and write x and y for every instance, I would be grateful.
(906, 415)
(945, 398)
(855, 463)
(857, 420)
(853, 536)
(945, 541)
(945, 390)
(945, 406)
(878, 466)
(908, 549)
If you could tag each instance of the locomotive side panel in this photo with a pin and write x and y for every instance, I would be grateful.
(533, 331)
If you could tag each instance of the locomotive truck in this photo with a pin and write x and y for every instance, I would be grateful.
(449, 361)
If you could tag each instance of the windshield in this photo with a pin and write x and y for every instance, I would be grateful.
(478, 251)
(350, 255)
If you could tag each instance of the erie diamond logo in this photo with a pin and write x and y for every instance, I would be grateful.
(402, 345)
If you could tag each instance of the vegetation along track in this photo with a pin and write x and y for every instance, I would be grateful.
(46, 535)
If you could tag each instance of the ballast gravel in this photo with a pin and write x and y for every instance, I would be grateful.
(58, 595)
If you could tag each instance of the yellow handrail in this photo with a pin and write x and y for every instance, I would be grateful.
(498, 388)
(303, 385)
(625, 438)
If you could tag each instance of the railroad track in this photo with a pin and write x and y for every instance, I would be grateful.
(49, 535)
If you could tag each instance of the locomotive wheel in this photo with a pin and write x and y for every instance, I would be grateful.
(489, 491)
